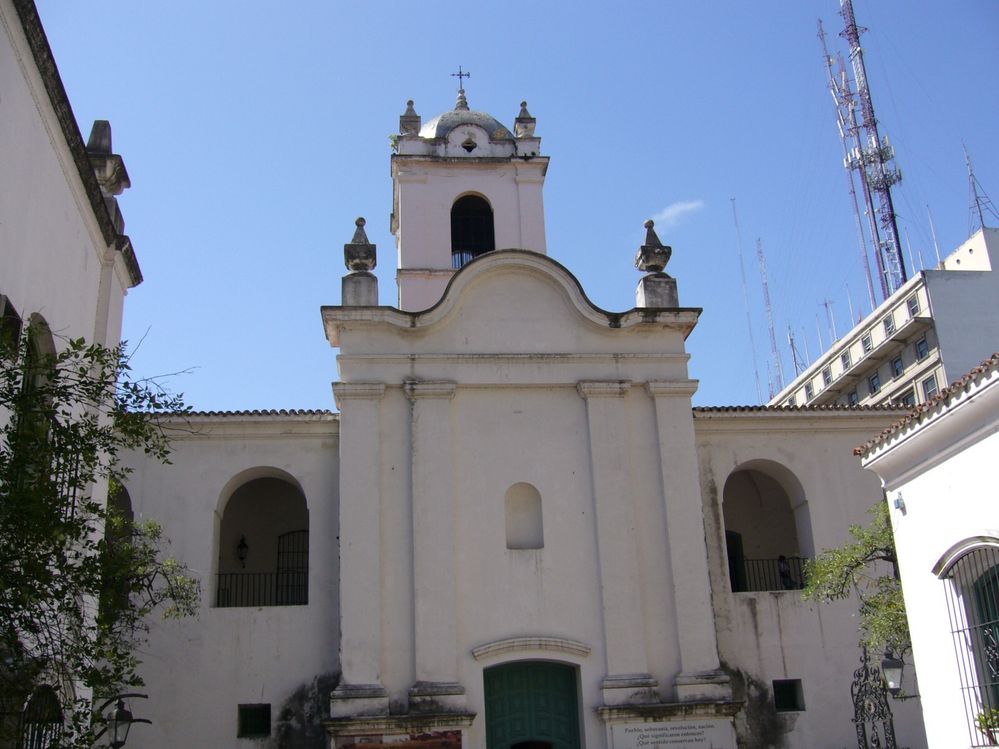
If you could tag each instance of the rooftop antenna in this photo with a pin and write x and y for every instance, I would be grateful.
(980, 203)
(933, 232)
(770, 316)
(804, 340)
(849, 302)
(818, 329)
(908, 244)
(831, 319)
(745, 300)
(799, 366)
(846, 121)
(875, 161)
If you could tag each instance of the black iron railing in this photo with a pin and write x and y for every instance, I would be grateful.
(240, 589)
(755, 575)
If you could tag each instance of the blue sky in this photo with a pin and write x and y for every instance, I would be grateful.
(255, 133)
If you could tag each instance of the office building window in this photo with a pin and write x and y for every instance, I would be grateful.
(889, 324)
(897, 367)
(913, 305)
(827, 377)
(809, 391)
(845, 360)
(922, 349)
(930, 388)
(907, 399)
(792, 401)
(867, 343)
(874, 383)
(853, 398)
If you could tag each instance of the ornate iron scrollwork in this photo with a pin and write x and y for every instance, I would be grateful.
(872, 715)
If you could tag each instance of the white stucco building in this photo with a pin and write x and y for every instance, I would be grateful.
(937, 467)
(65, 262)
(516, 531)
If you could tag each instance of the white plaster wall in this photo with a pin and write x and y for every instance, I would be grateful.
(966, 314)
(944, 471)
(426, 192)
(775, 635)
(52, 248)
(198, 670)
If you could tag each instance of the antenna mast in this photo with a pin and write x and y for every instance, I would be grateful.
(745, 300)
(979, 203)
(770, 318)
(875, 162)
(843, 100)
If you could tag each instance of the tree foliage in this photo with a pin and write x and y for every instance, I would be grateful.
(78, 580)
(868, 567)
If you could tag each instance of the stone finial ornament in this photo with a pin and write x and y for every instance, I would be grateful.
(359, 253)
(653, 255)
(656, 288)
(462, 103)
(524, 125)
(409, 121)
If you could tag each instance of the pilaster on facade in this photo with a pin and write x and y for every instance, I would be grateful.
(361, 691)
(700, 676)
(433, 570)
(627, 680)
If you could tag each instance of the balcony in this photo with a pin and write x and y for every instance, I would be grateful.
(758, 575)
(248, 589)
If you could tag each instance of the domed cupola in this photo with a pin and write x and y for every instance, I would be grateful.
(463, 184)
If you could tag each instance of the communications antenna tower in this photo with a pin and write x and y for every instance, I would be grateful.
(874, 162)
(846, 121)
(745, 300)
(770, 320)
(979, 203)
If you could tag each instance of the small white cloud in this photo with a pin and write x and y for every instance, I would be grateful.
(672, 214)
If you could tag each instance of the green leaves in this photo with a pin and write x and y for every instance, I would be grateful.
(78, 580)
(868, 567)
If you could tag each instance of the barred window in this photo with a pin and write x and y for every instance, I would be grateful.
(972, 592)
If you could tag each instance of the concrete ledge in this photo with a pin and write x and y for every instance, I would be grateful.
(397, 724)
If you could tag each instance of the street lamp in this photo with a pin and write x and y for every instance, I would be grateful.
(891, 667)
(120, 721)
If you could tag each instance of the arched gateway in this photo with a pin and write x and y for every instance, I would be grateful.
(531, 704)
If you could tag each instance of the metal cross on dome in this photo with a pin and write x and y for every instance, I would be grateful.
(460, 75)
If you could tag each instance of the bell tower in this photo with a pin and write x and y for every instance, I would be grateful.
(462, 185)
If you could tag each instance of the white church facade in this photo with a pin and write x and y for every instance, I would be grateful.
(516, 531)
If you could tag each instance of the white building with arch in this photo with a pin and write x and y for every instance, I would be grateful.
(518, 532)
(937, 467)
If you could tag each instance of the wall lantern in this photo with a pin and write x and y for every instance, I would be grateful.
(242, 549)
(891, 667)
(120, 721)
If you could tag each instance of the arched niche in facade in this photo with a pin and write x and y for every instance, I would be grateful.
(524, 517)
(768, 530)
(263, 542)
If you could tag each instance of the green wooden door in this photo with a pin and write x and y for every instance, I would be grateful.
(531, 703)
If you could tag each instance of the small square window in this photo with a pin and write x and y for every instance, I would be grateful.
(907, 399)
(788, 695)
(897, 367)
(827, 377)
(889, 325)
(254, 721)
(922, 349)
(853, 398)
(874, 383)
(930, 388)
(809, 391)
(867, 343)
(792, 401)
(846, 360)
(912, 303)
